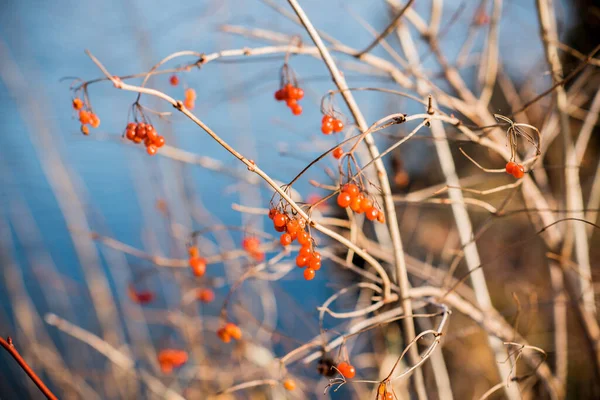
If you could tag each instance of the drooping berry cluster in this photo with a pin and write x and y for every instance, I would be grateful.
(330, 124)
(228, 332)
(142, 132)
(290, 94)
(359, 202)
(197, 263)
(86, 116)
(252, 246)
(170, 359)
(346, 369)
(514, 169)
(294, 229)
(190, 99)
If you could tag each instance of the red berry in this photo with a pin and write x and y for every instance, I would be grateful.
(305, 251)
(519, 171)
(292, 226)
(380, 216)
(338, 125)
(159, 141)
(272, 213)
(285, 239)
(315, 261)
(250, 244)
(205, 295)
(289, 384)
(296, 109)
(344, 199)
(309, 274)
(279, 220)
(198, 265)
(337, 153)
(299, 94)
(301, 261)
(233, 330)
(291, 102)
(327, 128)
(327, 119)
(279, 95)
(193, 251)
(356, 204)
(351, 189)
(77, 104)
(366, 204)
(151, 149)
(303, 238)
(510, 167)
(346, 369)
(372, 213)
(174, 80)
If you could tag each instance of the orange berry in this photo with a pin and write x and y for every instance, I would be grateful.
(296, 109)
(315, 261)
(85, 130)
(338, 125)
(77, 104)
(94, 120)
(285, 239)
(151, 149)
(327, 128)
(388, 396)
(193, 251)
(344, 199)
(250, 244)
(303, 238)
(309, 274)
(289, 384)
(510, 167)
(305, 251)
(351, 189)
(223, 335)
(272, 213)
(233, 330)
(366, 204)
(258, 255)
(346, 369)
(190, 94)
(380, 216)
(337, 153)
(205, 295)
(198, 265)
(189, 103)
(327, 119)
(292, 226)
(130, 134)
(372, 213)
(279, 220)
(84, 117)
(301, 260)
(159, 141)
(519, 171)
(356, 205)
(174, 80)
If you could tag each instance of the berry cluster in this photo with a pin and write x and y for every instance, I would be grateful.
(383, 394)
(346, 369)
(140, 297)
(229, 331)
(190, 99)
(359, 202)
(290, 94)
(294, 229)
(197, 263)
(252, 246)
(330, 124)
(514, 169)
(86, 117)
(171, 358)
(142, 132)
(205, 295)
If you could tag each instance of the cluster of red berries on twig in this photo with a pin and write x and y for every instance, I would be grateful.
(291, 94)
(294, 229)
(197, 263)
(86, 116)
(251, 245)
(142, 132)
(331, 125)
(168, 359)
(514, 169)
(359, 202)
(228, 332)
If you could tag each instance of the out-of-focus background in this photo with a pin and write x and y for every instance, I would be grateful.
(59, 187)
